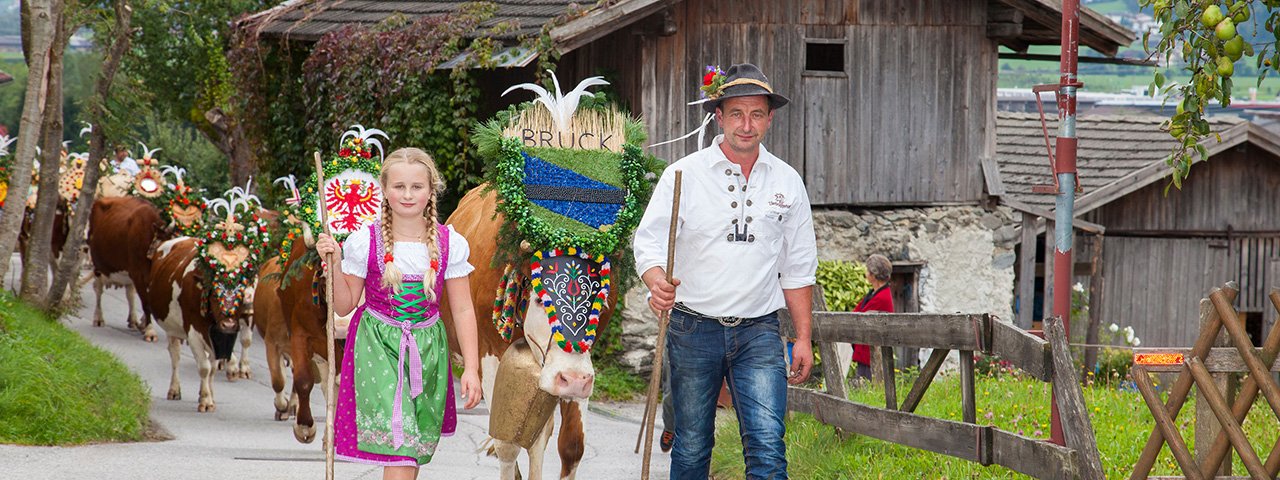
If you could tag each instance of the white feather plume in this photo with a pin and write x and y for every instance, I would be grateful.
(291, 183)
(561, 106)
(218, 204)
(88, 128)
(146, 152)
(366, 136)
(5, 141)
(177, 172)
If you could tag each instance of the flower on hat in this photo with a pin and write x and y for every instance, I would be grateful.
(712, 82)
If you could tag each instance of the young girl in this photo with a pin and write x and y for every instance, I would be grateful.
(395, 397)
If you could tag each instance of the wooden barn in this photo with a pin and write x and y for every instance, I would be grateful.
(892, 120)
(1156, 254)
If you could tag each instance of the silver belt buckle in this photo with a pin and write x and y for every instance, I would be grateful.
(730, 321)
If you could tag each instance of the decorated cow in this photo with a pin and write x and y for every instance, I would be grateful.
(568, 188)
(352, 196)
(202, 288)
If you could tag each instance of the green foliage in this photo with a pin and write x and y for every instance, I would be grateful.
(1204, 36)
(177, 53)
(383, 76)
(181, 144)
(58, 389)
(615, 383)
(1015, 403)
(843, 284)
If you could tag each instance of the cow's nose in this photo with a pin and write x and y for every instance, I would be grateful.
(574, 384)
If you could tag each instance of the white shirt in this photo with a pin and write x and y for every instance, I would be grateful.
(411, 257)
(743, 278)
(128, 165)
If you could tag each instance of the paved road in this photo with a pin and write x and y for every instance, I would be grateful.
(241, 440)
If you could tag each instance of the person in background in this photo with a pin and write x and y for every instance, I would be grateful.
(879, 299)
(123, 163)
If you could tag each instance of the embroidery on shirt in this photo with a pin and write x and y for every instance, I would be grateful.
(780, 201)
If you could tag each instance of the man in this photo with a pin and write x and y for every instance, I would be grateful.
(744, 249)
(123, 163)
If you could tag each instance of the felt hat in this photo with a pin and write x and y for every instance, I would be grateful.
(744, 80)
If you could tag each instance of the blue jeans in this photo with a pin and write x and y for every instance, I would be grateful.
(703, 354)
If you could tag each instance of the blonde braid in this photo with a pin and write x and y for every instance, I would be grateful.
(433, 248)
(391, 275)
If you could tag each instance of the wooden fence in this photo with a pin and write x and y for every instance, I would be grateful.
(1049, 361)
(1223, 402)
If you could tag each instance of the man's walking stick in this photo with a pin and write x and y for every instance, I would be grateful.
(330, 398)
(655, 377)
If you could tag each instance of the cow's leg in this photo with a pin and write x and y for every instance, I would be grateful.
(203, 351)
(277, 380)
(97, 300)
(129, 293)
(538, 451)
(571, 440)
(145, 323)
(175, 387)
(246, 339)
(507, 452)
(303, 379)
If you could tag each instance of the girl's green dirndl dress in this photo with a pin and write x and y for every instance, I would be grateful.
(399, 401)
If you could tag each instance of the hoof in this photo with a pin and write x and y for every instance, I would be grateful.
(97, 322)
(150, 337)
(282, 416)
(246, 373)
(206, 408)
(174, 395)
(304, 434)
(232, 375)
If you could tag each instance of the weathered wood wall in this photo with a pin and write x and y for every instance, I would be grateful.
(1168, 251)
(1215, 198)
(1155, 285)
(906, 123)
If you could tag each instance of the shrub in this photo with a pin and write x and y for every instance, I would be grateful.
(843, 284)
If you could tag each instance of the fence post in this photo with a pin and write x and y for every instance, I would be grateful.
(1075, 414)
(831, 373)
(1207, 427)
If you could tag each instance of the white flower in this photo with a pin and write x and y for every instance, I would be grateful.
(1136, 341)
(1078, 287)
(1113, 328)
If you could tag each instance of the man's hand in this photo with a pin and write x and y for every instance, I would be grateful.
(662, 294)
(801, 362)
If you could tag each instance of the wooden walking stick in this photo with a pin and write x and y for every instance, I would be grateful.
(330, 397)
(655, 377)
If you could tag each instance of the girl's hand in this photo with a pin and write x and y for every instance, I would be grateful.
(471, 391)
(326, 245)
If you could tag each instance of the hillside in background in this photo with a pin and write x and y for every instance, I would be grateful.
(1099, 78)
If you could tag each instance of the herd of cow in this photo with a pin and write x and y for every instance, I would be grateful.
(131, 246)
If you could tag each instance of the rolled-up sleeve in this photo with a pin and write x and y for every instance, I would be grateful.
(798, 266)
(650, 242)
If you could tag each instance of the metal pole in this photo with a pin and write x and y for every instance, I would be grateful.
(1064, 171)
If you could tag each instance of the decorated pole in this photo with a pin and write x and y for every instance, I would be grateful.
(655, 377)
(330, 397)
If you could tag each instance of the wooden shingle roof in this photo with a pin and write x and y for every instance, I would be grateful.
(1032, 22)
(1116, 155)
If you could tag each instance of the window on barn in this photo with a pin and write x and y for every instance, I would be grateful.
(823, 56)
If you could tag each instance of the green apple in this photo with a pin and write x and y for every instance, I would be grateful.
(1211, 16)
(1225, 66)
(1225, 29)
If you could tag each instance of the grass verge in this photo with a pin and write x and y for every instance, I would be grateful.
(58, 389)
(1120, 419)
(615, 384)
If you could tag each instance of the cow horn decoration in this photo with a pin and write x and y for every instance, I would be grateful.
(290, 182)
(177, 172)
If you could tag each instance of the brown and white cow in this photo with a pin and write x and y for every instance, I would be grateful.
(122, 233)
(273, 326)
(302, 305)
(177, 299)
(569, 376)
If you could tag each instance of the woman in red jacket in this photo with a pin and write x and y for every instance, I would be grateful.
(879, 299)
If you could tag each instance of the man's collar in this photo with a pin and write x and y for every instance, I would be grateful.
(718, 157)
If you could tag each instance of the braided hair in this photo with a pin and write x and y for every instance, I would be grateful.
(392, 277)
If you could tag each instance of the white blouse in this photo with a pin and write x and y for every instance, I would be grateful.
(411, 257)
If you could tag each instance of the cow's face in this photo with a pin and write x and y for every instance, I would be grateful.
(566, 375)
(233, 306)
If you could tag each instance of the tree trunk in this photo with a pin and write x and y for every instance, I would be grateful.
(69, 265)
(41, 17)
(229, 136)
(36, 263)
